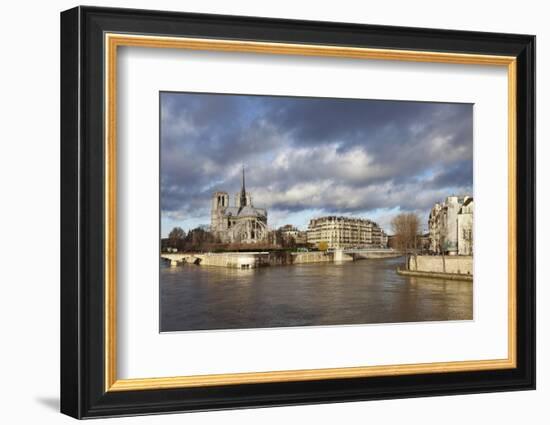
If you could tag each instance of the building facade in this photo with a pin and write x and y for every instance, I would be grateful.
(288, 231)
(465, 228)
(345, 232)
(241, 223)
(450, 226)
(435, 224)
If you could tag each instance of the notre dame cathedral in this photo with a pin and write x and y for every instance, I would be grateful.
(241, 223)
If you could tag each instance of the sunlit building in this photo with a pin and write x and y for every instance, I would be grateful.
(288, 231)
(450, 225)
(345, 232)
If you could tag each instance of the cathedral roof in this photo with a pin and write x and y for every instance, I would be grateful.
(231, 211)
(247, 211)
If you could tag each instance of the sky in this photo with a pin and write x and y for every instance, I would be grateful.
(307, 157)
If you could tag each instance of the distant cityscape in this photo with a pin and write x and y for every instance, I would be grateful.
(450, 226)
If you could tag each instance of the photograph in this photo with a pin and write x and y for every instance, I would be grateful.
(284, 211)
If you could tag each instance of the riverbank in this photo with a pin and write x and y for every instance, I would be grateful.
(435, 275)
(251, 260)
(450, 264)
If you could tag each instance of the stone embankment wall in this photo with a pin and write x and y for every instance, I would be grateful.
(374, 254)
(312, 257)
(287, 258)
(250, 260)
(259, 259)
(458, 264)
(235, 260)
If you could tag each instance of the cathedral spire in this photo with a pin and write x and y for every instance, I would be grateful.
(243, 192)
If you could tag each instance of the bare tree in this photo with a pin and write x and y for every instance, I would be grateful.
(414, 232)
(406, 227)
(176, 237)
(199, 239)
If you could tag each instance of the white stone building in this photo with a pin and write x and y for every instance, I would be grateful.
(289, 231)
(345, 232)
(434, 226)
(242, 223)
(447, 229)
(465, 231)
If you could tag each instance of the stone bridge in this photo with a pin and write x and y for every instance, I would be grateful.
(366, 253)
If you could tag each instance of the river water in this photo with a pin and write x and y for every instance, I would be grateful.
(366, 291)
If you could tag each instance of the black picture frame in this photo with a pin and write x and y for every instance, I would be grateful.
(83, 392)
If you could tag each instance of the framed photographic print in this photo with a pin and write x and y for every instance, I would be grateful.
(261, 212)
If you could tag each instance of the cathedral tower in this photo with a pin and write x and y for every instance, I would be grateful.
(220, 201)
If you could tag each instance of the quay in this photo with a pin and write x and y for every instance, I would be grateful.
(250, 260)
(435, 275)
(453, 267)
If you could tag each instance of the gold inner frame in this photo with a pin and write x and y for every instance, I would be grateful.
(113, 41)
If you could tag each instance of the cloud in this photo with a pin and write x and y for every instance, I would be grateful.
(310, 155)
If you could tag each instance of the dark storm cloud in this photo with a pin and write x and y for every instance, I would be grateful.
(332, 155)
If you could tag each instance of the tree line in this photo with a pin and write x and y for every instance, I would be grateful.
(201, 240)
(197, 239)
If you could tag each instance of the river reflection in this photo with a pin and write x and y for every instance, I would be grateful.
(367, 291)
